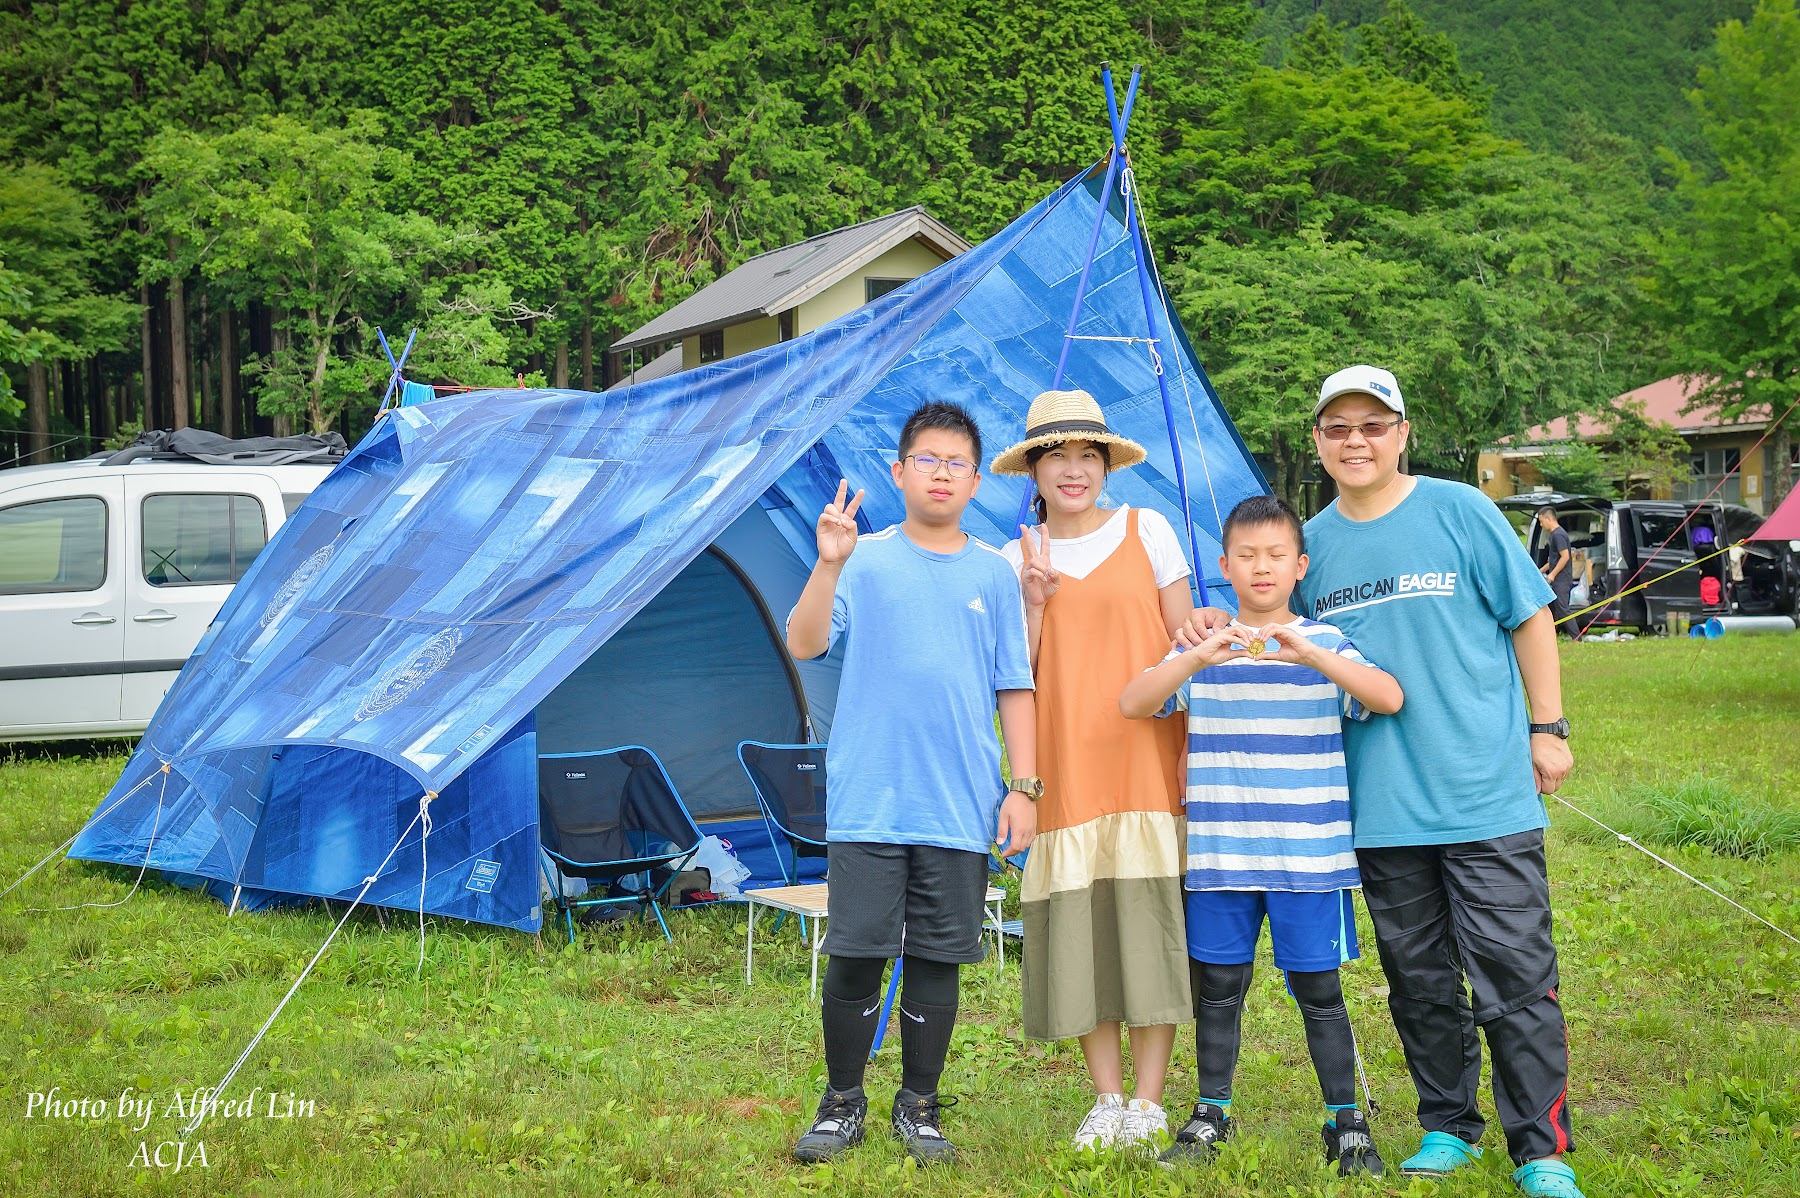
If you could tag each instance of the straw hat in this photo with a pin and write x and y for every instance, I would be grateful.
(1057, 416)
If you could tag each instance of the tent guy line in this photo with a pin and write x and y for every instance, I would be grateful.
(200, 1114)
(1690, 877)
(155, 827)
(51, 855)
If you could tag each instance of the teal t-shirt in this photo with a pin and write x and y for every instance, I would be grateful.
(1432, 591)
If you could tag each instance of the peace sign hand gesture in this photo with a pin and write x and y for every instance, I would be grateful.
(837, 526)
(1037, 577)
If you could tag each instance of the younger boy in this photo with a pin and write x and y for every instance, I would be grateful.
(1269, 820)
(934, 629)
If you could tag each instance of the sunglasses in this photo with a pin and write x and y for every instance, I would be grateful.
(1371, 429)
(924, 463)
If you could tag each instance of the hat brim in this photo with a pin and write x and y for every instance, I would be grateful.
(1126, 452)
(1397, 407)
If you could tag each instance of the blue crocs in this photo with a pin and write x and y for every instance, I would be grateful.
(1546, 1179)
(1440, 1155)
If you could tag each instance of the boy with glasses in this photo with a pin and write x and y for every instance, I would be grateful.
(934, 629)
(1428, 578)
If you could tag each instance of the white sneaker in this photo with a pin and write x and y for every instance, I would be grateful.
(1101, 1125)
(1141, 1124)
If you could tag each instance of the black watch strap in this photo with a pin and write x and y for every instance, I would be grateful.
(1557, 728)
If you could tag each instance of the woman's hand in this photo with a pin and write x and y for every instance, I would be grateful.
(1037, 577)
(1202, 623)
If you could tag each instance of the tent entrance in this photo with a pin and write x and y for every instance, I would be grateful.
(701, 667)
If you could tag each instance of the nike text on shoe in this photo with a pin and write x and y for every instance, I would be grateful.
(1100, 1125)
(1203, 1132)
(837, 1126)
(918, 1121)
(1347, 1141)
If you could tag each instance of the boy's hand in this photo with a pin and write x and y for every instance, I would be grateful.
(1214, 648)
(1037, 577)
(837, 526)
(1202, 622)
(1282, 643)
(1018, 823)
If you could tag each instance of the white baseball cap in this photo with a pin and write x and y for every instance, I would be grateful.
(1362, 380)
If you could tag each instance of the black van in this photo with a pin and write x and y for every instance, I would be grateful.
(1615, 544)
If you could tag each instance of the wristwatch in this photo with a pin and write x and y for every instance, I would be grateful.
(1031, 788)
(1555, 728)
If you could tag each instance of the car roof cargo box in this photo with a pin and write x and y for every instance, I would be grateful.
(198, 445)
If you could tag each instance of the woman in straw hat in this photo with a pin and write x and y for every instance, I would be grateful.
(1105, 942)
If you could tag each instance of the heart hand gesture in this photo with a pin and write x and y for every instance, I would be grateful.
(837, 526)
(1037, 577)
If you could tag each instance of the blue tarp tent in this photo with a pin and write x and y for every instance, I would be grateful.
(507, 572)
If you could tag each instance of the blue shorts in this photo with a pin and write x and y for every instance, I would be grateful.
(1310, 932)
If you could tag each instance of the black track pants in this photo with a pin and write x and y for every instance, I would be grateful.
(1478, 912)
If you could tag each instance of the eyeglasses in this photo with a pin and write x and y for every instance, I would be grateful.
(1371, 429)
(924, 463)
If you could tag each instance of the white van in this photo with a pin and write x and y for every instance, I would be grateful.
(111, 569)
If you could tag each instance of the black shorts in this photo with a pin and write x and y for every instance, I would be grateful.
(889, 899)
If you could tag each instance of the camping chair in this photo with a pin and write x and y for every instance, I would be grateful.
(789, 781)
(613, 817)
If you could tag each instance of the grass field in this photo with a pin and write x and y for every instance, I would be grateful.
(630, 1066)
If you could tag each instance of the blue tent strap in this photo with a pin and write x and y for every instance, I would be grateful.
(1139, 253)
(1120, 120)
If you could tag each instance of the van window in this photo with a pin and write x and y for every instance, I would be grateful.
(199, 540)
(53, 545)
(1654, 528)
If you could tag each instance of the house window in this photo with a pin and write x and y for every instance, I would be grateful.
(712, 345)
(874, 289)
(786, 323)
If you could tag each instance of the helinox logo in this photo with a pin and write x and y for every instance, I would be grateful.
(1380, 389)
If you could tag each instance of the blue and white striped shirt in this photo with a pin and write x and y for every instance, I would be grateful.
(1268, 800)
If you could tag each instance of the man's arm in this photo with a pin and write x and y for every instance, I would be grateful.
(809, 628)
(1534, 643)
(1562, 559)
(1018, 727)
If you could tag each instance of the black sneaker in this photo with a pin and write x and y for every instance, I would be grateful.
(918, 1123)
(1203, 1132)
(1348, 1142)
(837, 1126)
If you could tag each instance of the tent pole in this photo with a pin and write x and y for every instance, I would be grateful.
(1138, 251)
(1117, 122)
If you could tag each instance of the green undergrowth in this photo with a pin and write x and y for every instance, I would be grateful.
(509, 1064)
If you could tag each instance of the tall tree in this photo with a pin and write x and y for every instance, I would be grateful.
(49, 308)
(305, 215)
(1728, 279)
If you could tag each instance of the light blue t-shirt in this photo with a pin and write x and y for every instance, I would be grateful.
(930, 637)
(1432, 591)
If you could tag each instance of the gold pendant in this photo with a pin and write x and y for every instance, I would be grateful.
(1256, 646)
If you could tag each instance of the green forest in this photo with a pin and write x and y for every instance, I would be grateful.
(1523, 209)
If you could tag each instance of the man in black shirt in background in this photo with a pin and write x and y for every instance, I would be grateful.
(1557, 565)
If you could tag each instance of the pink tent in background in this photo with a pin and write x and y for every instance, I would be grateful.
(1784, 525)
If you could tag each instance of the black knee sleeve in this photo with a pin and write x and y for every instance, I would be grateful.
(1329, 1040)
(1219, 992)
(852, 978)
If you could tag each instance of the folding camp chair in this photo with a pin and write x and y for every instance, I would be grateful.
(789, 781)
(613, 817)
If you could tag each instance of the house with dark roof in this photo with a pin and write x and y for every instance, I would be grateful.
(785, 293)
(1720, 448)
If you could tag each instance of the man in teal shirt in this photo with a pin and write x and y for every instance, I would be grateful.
(1427, 577)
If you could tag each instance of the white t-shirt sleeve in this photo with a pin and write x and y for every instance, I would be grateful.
(1168, 560)
(1015, 559)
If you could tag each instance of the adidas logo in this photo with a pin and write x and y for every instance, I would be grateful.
(975, 605)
